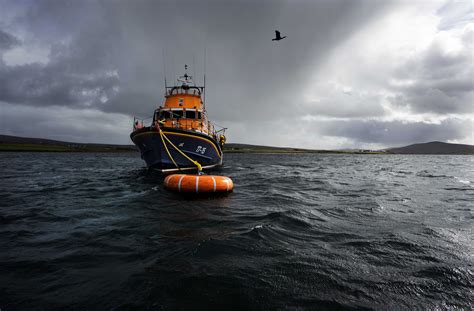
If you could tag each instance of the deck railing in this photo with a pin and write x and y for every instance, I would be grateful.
(182, 123)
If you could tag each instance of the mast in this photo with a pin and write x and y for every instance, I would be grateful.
(204, 93)
(204, 89)
(164, 69)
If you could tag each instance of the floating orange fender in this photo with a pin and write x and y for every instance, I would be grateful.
(198, 183)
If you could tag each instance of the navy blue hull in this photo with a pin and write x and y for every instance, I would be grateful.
(197, 146)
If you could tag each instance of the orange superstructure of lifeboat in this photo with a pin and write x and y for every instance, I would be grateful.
(184, 109)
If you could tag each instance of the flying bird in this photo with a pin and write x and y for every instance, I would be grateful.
(277, 36)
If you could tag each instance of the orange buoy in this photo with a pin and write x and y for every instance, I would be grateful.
(198, 183)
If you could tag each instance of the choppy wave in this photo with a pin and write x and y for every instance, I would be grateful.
(97, 231)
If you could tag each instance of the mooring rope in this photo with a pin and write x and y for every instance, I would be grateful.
(166, 148)
(162, 135)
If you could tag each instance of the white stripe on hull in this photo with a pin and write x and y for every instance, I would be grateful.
(172, 170)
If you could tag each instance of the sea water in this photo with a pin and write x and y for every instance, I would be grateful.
(300, 231)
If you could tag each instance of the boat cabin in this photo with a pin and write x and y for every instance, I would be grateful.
(184, 108)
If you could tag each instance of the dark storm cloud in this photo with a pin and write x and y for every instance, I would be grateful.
(7, 41)
(245, 69)
(265, 79)
(62, 123)
(397, 132)
(78, 73)
(40, 85)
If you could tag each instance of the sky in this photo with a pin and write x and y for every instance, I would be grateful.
(350, 74)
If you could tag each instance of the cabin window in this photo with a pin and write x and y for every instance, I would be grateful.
(181, 101)
(191, 114)
(164, 114)
(177, 114)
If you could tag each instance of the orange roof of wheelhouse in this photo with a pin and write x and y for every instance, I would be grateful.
(187, 97)
(184, 100)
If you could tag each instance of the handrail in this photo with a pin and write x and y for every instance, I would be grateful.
(140, 122)
(182, 122)
(180, 90)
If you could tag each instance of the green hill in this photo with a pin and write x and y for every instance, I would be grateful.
(246, 148)
(15, 143)
(434, 147)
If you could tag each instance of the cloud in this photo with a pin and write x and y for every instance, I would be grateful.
(77, 72)
(360, 64)
(405, 59)
(339, 101)
(66, 124)
(55, 85)
(7, 41)
(397, 132)
(455, 14)
(244, 67)
(439, 79)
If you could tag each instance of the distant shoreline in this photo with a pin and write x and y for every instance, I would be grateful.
(60, 148)
(284, 151)
(25, 144)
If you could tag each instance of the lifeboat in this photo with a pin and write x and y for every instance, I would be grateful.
(179, 136)
(198, 184)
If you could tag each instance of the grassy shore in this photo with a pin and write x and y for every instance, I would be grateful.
(275, 150)
(244, 148)
(297, 151)
(60, 148)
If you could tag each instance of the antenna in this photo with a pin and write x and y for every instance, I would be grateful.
(186, 79)
(194, 68)
(204, 95)
(164, 68)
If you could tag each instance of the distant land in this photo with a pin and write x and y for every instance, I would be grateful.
(434, 147)
(15, 143)
(245, 148)
(19, 144)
